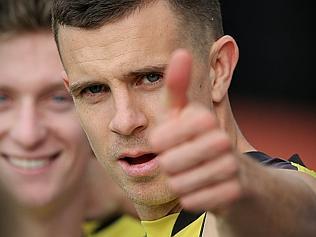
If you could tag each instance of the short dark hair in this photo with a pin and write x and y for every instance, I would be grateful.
(199, 17)
(20, 16)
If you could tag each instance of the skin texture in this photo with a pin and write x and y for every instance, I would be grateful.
(184, 116)
(126, 115)
(38, 122)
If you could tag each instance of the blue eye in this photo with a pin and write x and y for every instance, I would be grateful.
(3, 98)
(5, 102)
(59, 101)
(152, 77)
(60, 98)
(96, 89)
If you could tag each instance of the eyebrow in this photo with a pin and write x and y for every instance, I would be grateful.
(149, 69)
(76, 87)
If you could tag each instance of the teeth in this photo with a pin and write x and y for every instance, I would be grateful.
(28, 164)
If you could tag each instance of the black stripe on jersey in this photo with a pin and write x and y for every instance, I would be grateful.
(106, 222)
(184, 219)
(269, 161)
(202, 227)
(296, 159)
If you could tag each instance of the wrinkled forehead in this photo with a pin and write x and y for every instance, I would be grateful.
(150, 34)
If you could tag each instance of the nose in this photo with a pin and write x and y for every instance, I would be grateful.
(28, 130)
(128, 118)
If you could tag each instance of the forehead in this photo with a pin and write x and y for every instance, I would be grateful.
(146, 36)
(29, 60)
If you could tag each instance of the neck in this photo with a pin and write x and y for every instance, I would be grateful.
(105, 206)
(228, 122)
(149, 213)
(62, 218)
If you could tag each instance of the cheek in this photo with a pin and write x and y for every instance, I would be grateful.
(7, 119)
(94, 118)
(94, 125)
(201, 92)
(155, 107)
(68, 128)
(76, 145)
(201, 84)
(96, 129)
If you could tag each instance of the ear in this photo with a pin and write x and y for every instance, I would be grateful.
(223, 57)
(65, 79)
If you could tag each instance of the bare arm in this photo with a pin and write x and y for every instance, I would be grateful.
(278, 203)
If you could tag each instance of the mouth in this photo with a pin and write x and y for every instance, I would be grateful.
(139, 159)
(139, 165)
(30, 163)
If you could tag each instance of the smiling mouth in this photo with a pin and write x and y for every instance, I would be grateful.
(140, 159)
(30, 163)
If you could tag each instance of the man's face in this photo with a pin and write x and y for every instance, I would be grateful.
(115, 75)
(43, 150)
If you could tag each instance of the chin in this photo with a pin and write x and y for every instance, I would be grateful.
(154, 195)
(153, 200)
(35, 197)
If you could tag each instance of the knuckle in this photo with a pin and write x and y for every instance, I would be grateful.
(187, 203)
(231, 165)
(218, 141)
(236, 190)
(202, 118)
(223, 141)
(206, 120)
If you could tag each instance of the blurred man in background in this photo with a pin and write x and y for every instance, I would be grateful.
(45, 158)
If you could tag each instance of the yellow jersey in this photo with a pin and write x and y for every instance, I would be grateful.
(121, 226)
(186, 224)
(183, 224)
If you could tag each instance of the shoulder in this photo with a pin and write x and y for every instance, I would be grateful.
(293, 163)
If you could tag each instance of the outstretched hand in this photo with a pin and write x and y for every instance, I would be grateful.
(195, 153)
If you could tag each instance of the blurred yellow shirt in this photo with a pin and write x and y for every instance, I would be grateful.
(125, 226)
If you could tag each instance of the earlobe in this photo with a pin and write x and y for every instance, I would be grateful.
(224, 58)
(65, 79)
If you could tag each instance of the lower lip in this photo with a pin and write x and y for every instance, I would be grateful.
(34, 171)
(140, 170)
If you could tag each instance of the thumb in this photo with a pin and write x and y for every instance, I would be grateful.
(178, 79)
